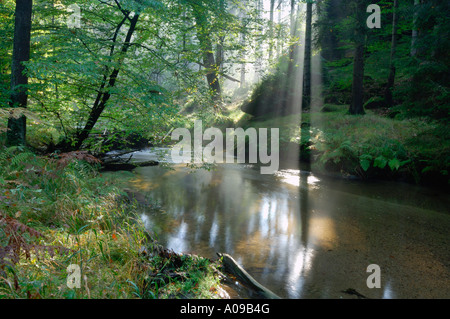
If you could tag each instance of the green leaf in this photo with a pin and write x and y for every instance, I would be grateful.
(394, 164)
(380, 162)
(426, 169)
(365, 164)
(405, 162)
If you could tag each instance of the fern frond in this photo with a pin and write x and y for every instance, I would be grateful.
(18, 244)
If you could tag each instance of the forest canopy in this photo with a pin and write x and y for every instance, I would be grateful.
(138, 69)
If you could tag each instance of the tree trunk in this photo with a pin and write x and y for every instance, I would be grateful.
(209, 62)
(293, 46)
(414, 30)
(258, 46)
(21, 52)
(306, 100)
(104, 92)
(279, 37)
(219, 55)
(271, 34)
(242, 83)
(307, 59)
(219, 47)
(390, 83)
(356, 106)
(292, 18)
(292, 90)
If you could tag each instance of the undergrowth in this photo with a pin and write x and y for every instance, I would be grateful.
(370, 146)
(59, 211)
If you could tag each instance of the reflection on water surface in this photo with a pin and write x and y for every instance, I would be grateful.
(301, 236)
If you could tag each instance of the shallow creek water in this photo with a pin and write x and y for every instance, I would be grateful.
(303, 236)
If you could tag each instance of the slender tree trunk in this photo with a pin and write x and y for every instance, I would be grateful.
(242, 82)
(357, 102)
(292, 18)
(271, 34)
(356, 106)
(391, 79)
(106, 85)
(291, 76)
(219, 48)
(307, 59)
(414, 30)
(293, 43)
(306, 100)
(243, 39)
(258, 59)
(279, 38)
(21, 52)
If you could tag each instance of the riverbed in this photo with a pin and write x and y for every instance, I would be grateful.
(301, 235)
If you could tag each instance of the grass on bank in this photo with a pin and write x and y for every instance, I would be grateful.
(53, 215)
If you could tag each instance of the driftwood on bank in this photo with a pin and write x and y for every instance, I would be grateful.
(116, 162)
(118, 166)
(232, 267)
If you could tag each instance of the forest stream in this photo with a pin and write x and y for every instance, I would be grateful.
(303, 236)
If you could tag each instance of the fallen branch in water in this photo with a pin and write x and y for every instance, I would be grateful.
(232, 267)
(116, 157)
(118, 166)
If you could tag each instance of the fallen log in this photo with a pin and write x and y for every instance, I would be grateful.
(105, 157)
(232, 267)
(117, 166)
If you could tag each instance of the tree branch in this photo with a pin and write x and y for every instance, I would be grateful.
(222, 74)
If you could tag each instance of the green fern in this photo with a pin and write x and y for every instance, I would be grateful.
(20, 159)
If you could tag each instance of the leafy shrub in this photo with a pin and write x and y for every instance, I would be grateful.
(427, 92)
